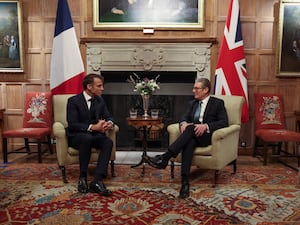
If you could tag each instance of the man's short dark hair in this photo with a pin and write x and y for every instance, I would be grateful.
(89, 79)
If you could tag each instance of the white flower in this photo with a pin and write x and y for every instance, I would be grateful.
(145, 86)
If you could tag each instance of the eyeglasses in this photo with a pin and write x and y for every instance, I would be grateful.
(197, 88)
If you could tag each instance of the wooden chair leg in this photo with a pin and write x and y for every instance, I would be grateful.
(63, 174)
(5, 153)
(112, 166)
(26, 141)
(40, 151)
(265, 153)
(172, 169)
(255, 147)
(216, 176)
(49, 144)
(234, 166)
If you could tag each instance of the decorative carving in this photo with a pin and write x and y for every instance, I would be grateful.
(148, 56)
(94, 58)
(202, 60)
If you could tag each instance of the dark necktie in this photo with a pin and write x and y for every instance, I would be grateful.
(197, 113)
(92, 106)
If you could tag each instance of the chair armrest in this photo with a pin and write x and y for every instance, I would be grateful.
(112, 134)
(224, 132)
(59, 130)
(174, 132)
(61, 143)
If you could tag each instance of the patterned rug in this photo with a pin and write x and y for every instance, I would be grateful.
(264, 195)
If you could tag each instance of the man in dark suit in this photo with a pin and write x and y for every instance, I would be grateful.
(204, 115)
(88, 119)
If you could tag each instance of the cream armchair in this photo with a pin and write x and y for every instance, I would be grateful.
(224, 147)
(67, 155)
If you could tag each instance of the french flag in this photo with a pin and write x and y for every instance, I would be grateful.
(231, 73)
(66, 69)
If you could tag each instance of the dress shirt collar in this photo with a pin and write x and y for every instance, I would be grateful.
(86, 96)
(205, 101)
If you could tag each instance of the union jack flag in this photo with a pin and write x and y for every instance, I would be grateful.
(231, 74)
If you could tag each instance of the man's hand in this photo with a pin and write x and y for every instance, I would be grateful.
(102, 126)
(200, 129)
(183, 126)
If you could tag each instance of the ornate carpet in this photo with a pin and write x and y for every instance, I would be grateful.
(264, 195)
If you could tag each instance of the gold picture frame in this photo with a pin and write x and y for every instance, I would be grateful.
(11, 42)
(288, 42)
(154, 14)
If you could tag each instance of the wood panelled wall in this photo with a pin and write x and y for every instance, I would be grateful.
(259, 25)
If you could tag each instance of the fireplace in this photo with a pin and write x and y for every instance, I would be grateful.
(177, 64)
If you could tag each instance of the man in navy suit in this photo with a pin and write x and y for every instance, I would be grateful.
(204, 115)
(88, 119)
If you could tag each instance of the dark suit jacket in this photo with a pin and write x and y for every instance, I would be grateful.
(79, 117)
(215, 114)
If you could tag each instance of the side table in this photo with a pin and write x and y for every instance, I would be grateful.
(144, 122)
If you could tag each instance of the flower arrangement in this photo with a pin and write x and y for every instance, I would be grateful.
(37, 106)
(144, 86)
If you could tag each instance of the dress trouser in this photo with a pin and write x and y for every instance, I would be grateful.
(187, 142)
(84, 142)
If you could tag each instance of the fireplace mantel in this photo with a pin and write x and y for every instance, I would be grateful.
(187, 57)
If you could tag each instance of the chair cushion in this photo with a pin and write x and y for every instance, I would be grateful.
(37, 109)
(269, 111)
(73, 151)
(275, 135)
(27, 133)
(203, 150)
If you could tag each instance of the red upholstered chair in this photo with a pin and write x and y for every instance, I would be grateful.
(36, 128)
(270, 131)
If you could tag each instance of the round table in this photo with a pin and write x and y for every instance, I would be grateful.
(146, 123)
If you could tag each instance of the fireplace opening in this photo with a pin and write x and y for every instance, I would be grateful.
(171, 99)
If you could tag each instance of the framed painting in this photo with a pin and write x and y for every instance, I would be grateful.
(154, 14)
(288, 42)
(11, 41)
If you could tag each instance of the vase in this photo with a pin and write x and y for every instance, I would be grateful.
(145, 104)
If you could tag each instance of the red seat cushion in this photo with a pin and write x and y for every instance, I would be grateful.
(277, 135)
(26, 133)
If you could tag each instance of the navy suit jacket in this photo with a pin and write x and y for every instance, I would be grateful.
(79, 117)
(215, 114)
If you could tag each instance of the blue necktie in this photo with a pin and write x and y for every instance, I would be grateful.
(197, 113)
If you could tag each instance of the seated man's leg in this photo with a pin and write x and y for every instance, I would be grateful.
(105, 145)
(83, 143)
(161, 161)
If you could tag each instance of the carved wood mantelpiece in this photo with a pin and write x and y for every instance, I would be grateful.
(149, 57)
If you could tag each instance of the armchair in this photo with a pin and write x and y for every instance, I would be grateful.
(67, 155)
(224, 147)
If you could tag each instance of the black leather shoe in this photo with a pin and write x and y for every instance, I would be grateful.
(185, 190)
(158, 162)
(99, 188)
(82, 185)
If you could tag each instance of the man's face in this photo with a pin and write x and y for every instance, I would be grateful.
(96, 88)
(199, 91)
